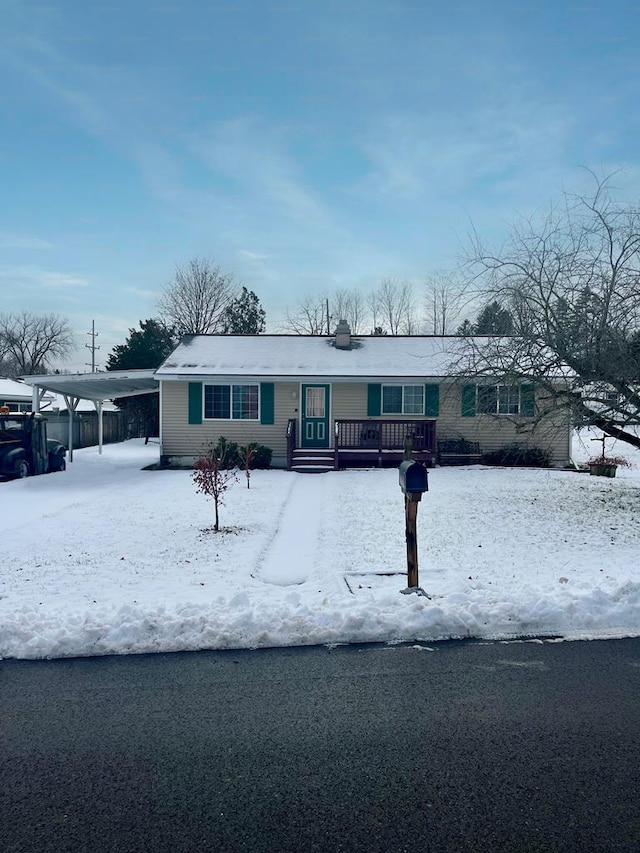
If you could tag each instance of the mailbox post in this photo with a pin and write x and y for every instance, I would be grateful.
(413, 482)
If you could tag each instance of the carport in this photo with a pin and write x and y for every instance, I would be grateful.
(96, 387)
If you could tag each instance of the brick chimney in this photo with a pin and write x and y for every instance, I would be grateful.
(343, 335)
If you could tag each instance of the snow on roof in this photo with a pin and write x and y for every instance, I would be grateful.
(11, 389)
(20, 392)
(98, 386)
(306, 355)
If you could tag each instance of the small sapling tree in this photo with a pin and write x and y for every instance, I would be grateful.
(212, 477)
(246, 455)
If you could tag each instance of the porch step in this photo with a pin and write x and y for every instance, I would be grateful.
(312, 461)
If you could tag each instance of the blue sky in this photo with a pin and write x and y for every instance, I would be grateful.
(303, 146)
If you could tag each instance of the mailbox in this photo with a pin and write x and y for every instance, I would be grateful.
(413, 479)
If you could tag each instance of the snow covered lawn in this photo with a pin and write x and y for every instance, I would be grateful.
(108, 558)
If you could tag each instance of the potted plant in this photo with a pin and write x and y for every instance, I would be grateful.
(606, 466)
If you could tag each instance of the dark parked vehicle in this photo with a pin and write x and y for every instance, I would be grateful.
(24, 448)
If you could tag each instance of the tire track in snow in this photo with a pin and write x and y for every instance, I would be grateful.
(291, 553)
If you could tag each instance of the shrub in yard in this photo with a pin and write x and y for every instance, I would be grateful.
(515, 456)
(227, 452)
(261, 457)
(233, 455)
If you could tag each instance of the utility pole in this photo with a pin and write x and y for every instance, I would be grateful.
(92, 346)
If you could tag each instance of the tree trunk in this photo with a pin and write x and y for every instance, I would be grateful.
(611, 429)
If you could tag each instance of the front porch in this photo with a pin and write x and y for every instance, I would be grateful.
(365, 443)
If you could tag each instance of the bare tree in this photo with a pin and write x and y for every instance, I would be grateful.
(571, 284)
(444, 302)
(349, 305)
(318, 315)
(30, 342)
(8, 365)
(389, 309)
(196, 300)
(8, 368)
(373, 305)
(393, 307)
(309, 317)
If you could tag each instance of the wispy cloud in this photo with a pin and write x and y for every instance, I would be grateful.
(413, 156)
(142, 293)
(109, 103)
(32, 277)
(23, 241)
(258, 159)
(41, 61)
(333, 151)
(288, 230)
(261, 265)
(255, 257)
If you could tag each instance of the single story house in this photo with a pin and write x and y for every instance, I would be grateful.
(341, 400)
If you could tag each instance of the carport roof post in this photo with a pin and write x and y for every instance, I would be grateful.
(96, 387)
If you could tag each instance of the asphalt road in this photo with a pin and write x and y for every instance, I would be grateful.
(503, 748)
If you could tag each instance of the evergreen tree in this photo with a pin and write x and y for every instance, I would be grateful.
(244, 315)
(493, 320)
(467, 328)
(145, 348)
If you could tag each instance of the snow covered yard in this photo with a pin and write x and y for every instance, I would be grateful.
(108, 558)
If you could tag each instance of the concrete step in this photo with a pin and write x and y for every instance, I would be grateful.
(312, 461)
(313, 454)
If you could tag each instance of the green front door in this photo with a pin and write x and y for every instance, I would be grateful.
(315, 416)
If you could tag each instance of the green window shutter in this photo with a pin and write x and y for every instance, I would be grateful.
(527, 400)
(432, 401)
(374, 398)
(195, 402)
(468, 401)
(267, 405)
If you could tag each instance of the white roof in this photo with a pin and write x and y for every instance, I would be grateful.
(18, 392)
(297, 356)
(98, 386)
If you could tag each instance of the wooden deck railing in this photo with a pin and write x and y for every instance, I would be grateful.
(380, 436)
(366, 442)
(385, 435)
